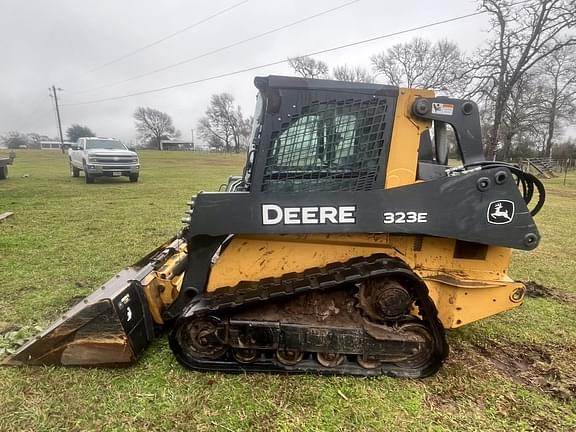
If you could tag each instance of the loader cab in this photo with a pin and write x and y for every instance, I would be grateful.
(319, 135)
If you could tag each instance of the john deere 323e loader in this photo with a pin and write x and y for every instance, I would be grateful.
(347, 245)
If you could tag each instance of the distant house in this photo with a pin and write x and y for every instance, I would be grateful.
(181, 145)
(53, 145)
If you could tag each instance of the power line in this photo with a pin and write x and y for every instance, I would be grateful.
(171, 35)
(274, 63)
(217, 50)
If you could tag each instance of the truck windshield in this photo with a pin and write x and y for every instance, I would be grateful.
(104, 144)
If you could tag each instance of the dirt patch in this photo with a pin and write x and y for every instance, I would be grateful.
(6, 327)
(536, 290)
(25, 289)
(546, 368)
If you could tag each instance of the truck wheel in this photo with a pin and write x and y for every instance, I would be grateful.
(74, 172)
(89, 179)
(133, 178)
(3, 172)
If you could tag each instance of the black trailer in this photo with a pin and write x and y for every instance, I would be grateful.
(4, 162)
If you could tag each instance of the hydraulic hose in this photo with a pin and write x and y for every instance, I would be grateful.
(526, 181)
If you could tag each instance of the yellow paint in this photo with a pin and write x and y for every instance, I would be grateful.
(162, 286)
(403, 156)
(458, 306)
(464, 290)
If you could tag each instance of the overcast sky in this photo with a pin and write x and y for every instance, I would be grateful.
(60, 41)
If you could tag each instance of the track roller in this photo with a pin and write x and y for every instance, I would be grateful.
(289, 357)
(330, 360)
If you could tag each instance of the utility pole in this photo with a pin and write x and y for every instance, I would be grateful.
(53, 89)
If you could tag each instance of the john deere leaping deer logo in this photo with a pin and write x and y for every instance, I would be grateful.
(500, 212)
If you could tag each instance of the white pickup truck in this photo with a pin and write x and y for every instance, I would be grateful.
(99, 157)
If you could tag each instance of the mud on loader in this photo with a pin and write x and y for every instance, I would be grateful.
(347, 246)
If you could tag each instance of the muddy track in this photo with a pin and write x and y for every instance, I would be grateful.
(536, 290)
(549, 369)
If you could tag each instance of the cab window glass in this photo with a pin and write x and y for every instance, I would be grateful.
(329, 146)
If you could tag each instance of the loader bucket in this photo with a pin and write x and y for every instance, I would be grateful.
(110, 327)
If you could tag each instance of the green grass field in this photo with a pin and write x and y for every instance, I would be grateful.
(511, 372)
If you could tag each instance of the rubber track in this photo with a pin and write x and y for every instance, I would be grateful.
(325, 278)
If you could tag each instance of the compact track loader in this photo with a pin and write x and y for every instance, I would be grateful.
(347, 246)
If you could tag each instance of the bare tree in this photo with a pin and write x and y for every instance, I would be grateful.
(77, 131)
(245, 130)
(565, 150)
(352, 74)
(524, 34)
(419, 63)
(14, 140)
(522, 116)
(224, 127)
(557, 74)
(153, 126)
(308, 67)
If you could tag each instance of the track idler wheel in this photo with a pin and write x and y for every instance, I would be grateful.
(384, 299)
(421, 358)
(199, 338)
